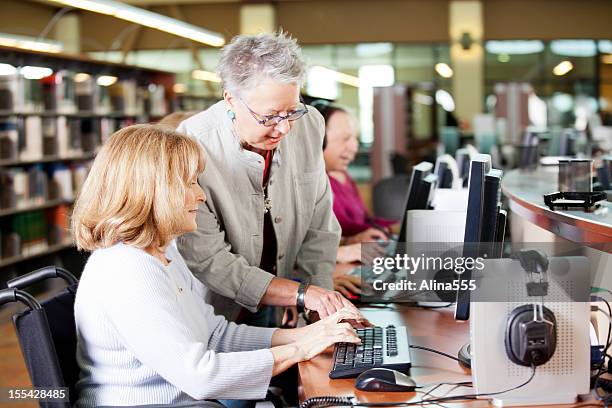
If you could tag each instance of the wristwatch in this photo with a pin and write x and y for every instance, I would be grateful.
(300, 298)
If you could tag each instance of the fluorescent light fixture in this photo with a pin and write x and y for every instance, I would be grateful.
(445, 99)
(106, 80)
(81, 77)
(370, 50)
(7, 69)
(30, 43)
(179, 88)
(606, 59)
(444, 70)
(574, 48)
(31, 72)
(376, 75)
(605, 46)
(563, 68)
(205, 75)
(514, 47)
(148, 19)
(320, 84)
(337, 76)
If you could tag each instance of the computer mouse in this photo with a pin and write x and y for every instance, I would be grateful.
(384, 380)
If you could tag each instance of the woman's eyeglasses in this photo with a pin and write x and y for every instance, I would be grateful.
(273, 120)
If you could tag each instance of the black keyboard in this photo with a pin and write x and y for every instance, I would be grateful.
(380, 347)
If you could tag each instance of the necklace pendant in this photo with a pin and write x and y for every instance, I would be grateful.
(267, 205)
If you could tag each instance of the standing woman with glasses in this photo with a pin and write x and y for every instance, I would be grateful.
(268, 219)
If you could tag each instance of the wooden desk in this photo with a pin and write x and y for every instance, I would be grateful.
(435, 328)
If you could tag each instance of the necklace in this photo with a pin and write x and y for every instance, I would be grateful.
(244, 145)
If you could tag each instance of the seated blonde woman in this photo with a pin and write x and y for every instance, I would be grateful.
(145, 334)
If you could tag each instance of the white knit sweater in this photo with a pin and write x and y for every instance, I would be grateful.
(146, 336)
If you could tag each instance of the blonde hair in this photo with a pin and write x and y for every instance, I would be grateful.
(135, 190)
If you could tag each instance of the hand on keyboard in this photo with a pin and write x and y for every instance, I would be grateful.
(318, 336)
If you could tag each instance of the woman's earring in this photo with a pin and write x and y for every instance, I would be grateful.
(231, 115)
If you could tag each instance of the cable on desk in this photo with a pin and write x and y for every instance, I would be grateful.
(435, 351)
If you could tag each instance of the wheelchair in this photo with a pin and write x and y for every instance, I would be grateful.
(47, 336)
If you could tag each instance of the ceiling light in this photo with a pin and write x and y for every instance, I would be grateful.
(81, 77)
(514, 47)
(503, 58)
(106, 80)
(30, 72)
(376, 76)
(179, 88)
(337, 76)
(445, 99)
(148, 19)
(563, 68)
(574, 48)
(444, 70)
(605, 46)
(30, 43)
(205, 75)
(7, 69)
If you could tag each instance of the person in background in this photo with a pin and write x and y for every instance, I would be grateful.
(145, 335)
(339, 148)
(173, 119)
(268, 218)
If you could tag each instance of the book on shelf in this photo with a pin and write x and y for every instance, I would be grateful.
(9, 138)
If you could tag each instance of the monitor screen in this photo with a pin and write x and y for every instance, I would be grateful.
(485, 221)
(420, 192)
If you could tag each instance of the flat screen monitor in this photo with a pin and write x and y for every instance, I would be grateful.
(463, 163)
(483, 225)
(420, 192)
(447, 172)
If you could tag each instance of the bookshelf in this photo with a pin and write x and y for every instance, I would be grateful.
(53, 120)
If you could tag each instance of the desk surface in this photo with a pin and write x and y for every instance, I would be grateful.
(435, 328)
(525, 190)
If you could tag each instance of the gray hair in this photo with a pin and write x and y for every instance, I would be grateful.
(248, 59)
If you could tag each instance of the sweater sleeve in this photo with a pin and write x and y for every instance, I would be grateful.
(145, 314)
(231, 337)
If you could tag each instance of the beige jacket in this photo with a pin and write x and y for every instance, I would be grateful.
(225, 251)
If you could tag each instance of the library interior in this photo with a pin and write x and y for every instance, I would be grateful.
(305, 203)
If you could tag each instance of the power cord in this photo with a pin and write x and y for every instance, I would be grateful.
(324, 402)
(435, 351)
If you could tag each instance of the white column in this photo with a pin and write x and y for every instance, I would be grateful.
(465, 16)
(68, 31)
(257, 18)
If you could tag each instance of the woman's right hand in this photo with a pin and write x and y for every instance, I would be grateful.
(318, 336)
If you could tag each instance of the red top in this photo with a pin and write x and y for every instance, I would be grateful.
(350, 209)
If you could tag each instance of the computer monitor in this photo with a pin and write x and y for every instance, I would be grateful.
(420, 192)
(604, 173)
(485, 221)
(463, 163)
(447, 172)
(445, 178)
